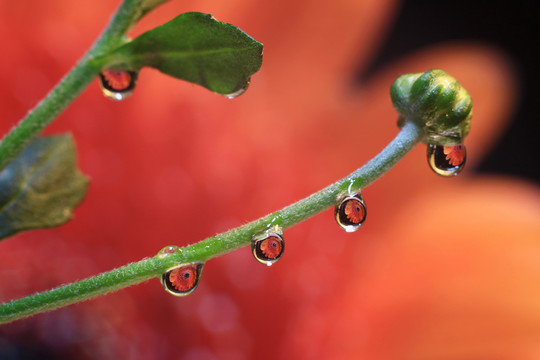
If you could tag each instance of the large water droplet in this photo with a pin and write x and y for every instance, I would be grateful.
(182, 280)
(268, 247)
(238, 92)
(351, 212)
(168, 251)
(446, 160)
(117, 84)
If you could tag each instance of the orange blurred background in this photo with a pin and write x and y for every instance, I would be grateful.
(442, 268)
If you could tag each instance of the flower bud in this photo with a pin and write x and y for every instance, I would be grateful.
(436, 102)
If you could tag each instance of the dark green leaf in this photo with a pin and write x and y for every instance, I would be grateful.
(41, 186)
(193, 47)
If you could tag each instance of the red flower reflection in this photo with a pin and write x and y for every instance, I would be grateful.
(443, 268)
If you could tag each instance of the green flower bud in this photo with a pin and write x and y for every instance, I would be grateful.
(437, 103)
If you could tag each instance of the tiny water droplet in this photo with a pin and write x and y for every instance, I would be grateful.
(168, 250)
(268, 247)
(350, 212)
(446, 160)
(117, 84)
(182, 280)
(275, 223)
(238, 92)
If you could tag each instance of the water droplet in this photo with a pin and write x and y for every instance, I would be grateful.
(168, 250)
(182, 280)
(238, 92)
(117, 84)
(275, 223)
(446, 160)
(268, 247)
(351, 212)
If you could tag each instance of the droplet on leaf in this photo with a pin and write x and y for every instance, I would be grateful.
(182, 280)
(238, 92)
(351, 212)
(446, 160)
(268, 247)
(117, 84)
(168, 250)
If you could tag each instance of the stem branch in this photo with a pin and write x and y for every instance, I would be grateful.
(217, 245)
(70, 87)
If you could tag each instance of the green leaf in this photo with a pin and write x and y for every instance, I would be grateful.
(41, 186)
(193, 47)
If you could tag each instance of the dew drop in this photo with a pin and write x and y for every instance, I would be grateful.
(168, 250)
(446, 160)
(238, 92)
(268, 247)
(350, 212)
(117, 84)
(182, 280)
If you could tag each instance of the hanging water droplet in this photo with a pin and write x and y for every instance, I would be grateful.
(268, 247)
(168, 250)
(238, 92)
(446, 160)
(182, 280)
(351, 212)
(117, 84)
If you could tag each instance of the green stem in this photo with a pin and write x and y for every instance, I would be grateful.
(70, 86)
(217, 245)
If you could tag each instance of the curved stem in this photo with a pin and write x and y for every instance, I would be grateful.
(70, 86)
(217, 245)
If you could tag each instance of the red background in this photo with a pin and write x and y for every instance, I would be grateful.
(443, 268)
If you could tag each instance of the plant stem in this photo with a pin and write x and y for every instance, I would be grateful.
(217, 245)
(70, 86)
